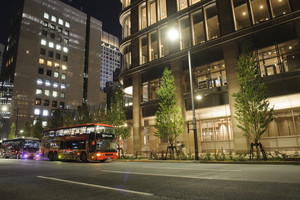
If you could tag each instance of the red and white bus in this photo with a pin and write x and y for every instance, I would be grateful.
(25, 147)
(86, 142)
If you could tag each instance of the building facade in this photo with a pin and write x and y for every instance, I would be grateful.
(214, 31)
(111, 57)
(52, 59)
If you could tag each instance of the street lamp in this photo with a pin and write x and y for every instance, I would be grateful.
(174, 35)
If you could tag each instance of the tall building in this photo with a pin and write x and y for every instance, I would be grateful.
(214, 31)
(52, 60)
(110, 57)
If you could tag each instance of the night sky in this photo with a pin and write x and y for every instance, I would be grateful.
(106, 11)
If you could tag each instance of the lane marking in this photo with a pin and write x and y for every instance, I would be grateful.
(218, 170)
(166, 175)
(97, 186)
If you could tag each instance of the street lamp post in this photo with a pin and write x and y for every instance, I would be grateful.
(173, 35)
(17, 119)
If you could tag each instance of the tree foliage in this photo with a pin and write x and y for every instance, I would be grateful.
(38, 128)
(27, 130)
(56, 120)
(252, 107)
(99, 115)
(83, 114)
(12, 131)
(169, 121)
(116, 115)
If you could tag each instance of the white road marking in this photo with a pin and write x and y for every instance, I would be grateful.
(166, 175)
(97, 186)
(218, 170)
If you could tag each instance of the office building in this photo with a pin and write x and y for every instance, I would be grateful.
(214, 31)
(52, 59)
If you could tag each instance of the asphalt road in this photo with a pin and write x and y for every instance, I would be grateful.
(29, 179)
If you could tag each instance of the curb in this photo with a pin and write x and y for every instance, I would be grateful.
(212, 162)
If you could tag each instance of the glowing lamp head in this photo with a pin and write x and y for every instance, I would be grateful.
(173, 34)
(198, 97)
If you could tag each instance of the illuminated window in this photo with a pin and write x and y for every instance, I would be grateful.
(55, 74)
(142, 16)
(56, 65)
(260, 10)
(54, 93)
(43, 42)
(51, 44)
(184, 24)
(212, 23)
(63, 86)
(66, 41)
(45, 24)
(195, 1)
(126, 26)
(38, 91)
(41, 61)
(65, 49)
(53, 18)
(67, 24)
(66, 32)
(280, 7)
(241, 14)
(37, 111)
(39, 81)
(55, 84)
(143, 50)
(46, 15)
(63, 67)
(47, 92)
(49, 63)
(152, 12)
(58, 47)
(60, 21)
(162, 14)
(164, 42)
(182, 4)
(153, 42)
(62, 95)
(47, 83)
(45, 113)
(198, 28)
(38, 101)
(63, 76)
(127, 56)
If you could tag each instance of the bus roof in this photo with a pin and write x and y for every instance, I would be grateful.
(81, 125)
(21, 138)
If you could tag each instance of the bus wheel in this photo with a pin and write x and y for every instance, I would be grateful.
(51, 156)
(83, 157)
(55, 156)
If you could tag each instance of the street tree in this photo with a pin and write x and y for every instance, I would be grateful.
(99, 115)
(83, 114)
(253, 110)
(27, 129)
(116, 116)
(169, 122)
(12, 131)
(38, 128)
(56, 119)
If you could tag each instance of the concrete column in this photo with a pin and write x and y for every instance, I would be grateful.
(137, 113)
(231, 56)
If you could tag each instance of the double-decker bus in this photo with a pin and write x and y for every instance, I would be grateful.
(26, 147)
(86, 142)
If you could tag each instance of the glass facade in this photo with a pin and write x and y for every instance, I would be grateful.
(216, 129)
(279, 58)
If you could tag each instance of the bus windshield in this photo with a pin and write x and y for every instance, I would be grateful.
(31, 145)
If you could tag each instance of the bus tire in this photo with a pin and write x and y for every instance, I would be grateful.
(83, 157)
(55, 156)
(51, 156)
